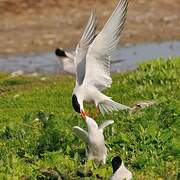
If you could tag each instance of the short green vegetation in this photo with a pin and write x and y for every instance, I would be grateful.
(36, 120)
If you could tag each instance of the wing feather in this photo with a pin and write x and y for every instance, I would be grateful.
(99, 53)
(82, 47)
(81, 133)
(105, 124)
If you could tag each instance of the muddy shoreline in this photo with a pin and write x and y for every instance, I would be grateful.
(40, 26)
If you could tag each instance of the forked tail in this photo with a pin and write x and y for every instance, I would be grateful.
(109, 105)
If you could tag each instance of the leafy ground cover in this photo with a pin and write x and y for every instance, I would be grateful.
(36, 120)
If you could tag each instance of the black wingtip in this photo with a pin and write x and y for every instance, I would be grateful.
(116, 163)
(60, 52)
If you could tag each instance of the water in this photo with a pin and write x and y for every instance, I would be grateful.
(41, 63)
(134, 54)
(131, 55)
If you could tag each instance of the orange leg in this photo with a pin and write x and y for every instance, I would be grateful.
(88, 113)
(96, 112)
(84, 114)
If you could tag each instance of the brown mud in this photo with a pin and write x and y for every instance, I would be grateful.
(39, 26)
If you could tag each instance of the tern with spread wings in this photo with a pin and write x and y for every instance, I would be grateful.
(92, 62)
(94, 139)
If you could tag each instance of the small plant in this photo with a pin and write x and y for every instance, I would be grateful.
(13, 82)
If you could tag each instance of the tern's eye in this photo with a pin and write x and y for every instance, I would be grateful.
(75, 103)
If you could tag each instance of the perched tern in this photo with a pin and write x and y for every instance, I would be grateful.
(92, 62)
(120, 172)
(94, 139)
(67, 59)
(62, 53)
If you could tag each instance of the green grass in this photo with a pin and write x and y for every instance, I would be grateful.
(36, 120)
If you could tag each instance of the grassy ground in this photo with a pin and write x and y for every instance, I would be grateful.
(36, 120)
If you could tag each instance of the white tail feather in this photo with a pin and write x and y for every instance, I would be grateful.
(110, 105)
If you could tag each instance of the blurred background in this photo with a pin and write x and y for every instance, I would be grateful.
(37, 26)
(31, 25)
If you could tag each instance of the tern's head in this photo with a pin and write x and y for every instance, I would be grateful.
(116, 163)
(60, 52)
(91, 123)
(76, 104)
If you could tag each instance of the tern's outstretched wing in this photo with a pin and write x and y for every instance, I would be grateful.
(105, 124)
(81, 133)
(82, 47)
(100, 50)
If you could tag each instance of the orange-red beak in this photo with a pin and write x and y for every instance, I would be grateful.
(83, 114)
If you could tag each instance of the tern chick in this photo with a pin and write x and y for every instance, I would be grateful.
(94, 139)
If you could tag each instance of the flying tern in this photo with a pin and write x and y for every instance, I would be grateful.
(92, 62)
(94, 139)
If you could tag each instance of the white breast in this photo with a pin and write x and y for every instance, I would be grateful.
(122, 173)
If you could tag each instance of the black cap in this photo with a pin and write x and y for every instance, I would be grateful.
(116, 163)
(60, 52)
(75, 103)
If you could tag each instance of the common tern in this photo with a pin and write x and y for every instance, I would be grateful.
(67, 59)
(92, 62)
(94, 139)
(120, 172)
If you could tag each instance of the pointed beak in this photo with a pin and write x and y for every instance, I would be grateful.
(83, 114)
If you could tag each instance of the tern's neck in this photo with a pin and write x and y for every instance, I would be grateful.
(92, 126)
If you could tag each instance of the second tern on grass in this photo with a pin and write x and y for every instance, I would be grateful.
(94, 139)
(92, 62)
